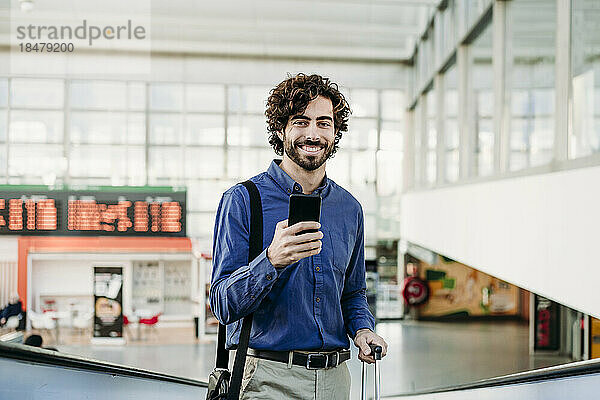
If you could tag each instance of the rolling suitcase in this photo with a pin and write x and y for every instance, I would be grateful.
(376, 351)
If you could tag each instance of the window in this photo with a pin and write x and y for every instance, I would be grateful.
(205, 129)
(483, 102)
(451, 137)
(103, 95)
(532, 83)
(166, 96)
(431, 138)
(37, 93)
(209, 98)
(36, 127)
(585, 68)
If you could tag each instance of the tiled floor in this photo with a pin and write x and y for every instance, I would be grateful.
(421, 355)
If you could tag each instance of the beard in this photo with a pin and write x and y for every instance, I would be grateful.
(307, 161)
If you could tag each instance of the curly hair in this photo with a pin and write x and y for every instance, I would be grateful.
(291, 97)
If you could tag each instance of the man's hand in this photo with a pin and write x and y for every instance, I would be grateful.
(363, 338)
(287, 247)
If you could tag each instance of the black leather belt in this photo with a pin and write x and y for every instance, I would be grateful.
(317, 360)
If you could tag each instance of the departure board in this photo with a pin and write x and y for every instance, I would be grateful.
(107, 211)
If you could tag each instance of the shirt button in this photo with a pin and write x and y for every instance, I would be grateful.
(269, 277)
(318, 299)
(317, 269)
(289, 191)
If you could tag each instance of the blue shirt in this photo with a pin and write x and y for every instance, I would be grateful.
(312, 304)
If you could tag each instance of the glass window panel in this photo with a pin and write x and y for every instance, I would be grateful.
(165, 128)
(33, 93)
(431, 138)
(248, 162)
(452, 166)
(46, 161)
(533, 77)
(204, 162)
(521, 131)
(520, 103)
(3, 125)
(363, 168)
(166, 97)
(256, 98)
(585, 69)
(136, 128)
(205, 98)
(36, 127)
(450, 28)
(392, 104)
(200, 224)
(99, 161)
(137, 96)
(485, 147)
(136, 165)
(205, 129)
(247, 130)
(165, 162)
(362, 134)
(389, 172)
(363, 102)
(452, 153)
(98, 127)
(366, 195)
(205, 195)
(417, 137)
(452, 136)
(98, 95)
(391, 136)
(518, 160)
(482, 83)
(3, 92)
(451, 92)
(338, 168)
(542, 141)
(248, 99)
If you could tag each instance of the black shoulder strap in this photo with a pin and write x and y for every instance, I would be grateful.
(255, 248)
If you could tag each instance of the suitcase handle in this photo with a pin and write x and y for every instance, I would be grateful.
(376, 351)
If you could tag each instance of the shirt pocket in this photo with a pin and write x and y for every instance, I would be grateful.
(342, 250)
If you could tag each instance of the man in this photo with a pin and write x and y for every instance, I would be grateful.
(13, 308)
(307, 291)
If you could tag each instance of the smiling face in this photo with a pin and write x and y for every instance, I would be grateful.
(309, 137)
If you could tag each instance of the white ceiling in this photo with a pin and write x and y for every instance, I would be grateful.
(332, 29)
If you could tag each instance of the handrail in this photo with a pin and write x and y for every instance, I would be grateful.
(543, 374)
(54, 358)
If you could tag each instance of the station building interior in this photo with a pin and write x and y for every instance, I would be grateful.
(473, 148)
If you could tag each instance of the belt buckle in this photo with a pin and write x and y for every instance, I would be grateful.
(311, 355)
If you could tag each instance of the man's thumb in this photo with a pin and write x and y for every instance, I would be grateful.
(366, 349)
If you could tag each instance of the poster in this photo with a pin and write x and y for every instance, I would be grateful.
(108, 300)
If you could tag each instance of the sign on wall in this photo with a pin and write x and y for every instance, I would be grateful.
(108, 303)
(106, 211)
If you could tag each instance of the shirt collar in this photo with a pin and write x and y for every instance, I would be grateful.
(291, 186)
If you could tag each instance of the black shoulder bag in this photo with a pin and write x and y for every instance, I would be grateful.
(222, 385)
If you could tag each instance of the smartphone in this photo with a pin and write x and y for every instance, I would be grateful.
(304, 207)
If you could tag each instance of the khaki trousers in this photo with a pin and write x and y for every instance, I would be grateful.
(273, 380)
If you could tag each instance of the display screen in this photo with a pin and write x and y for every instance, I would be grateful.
(111, 211)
